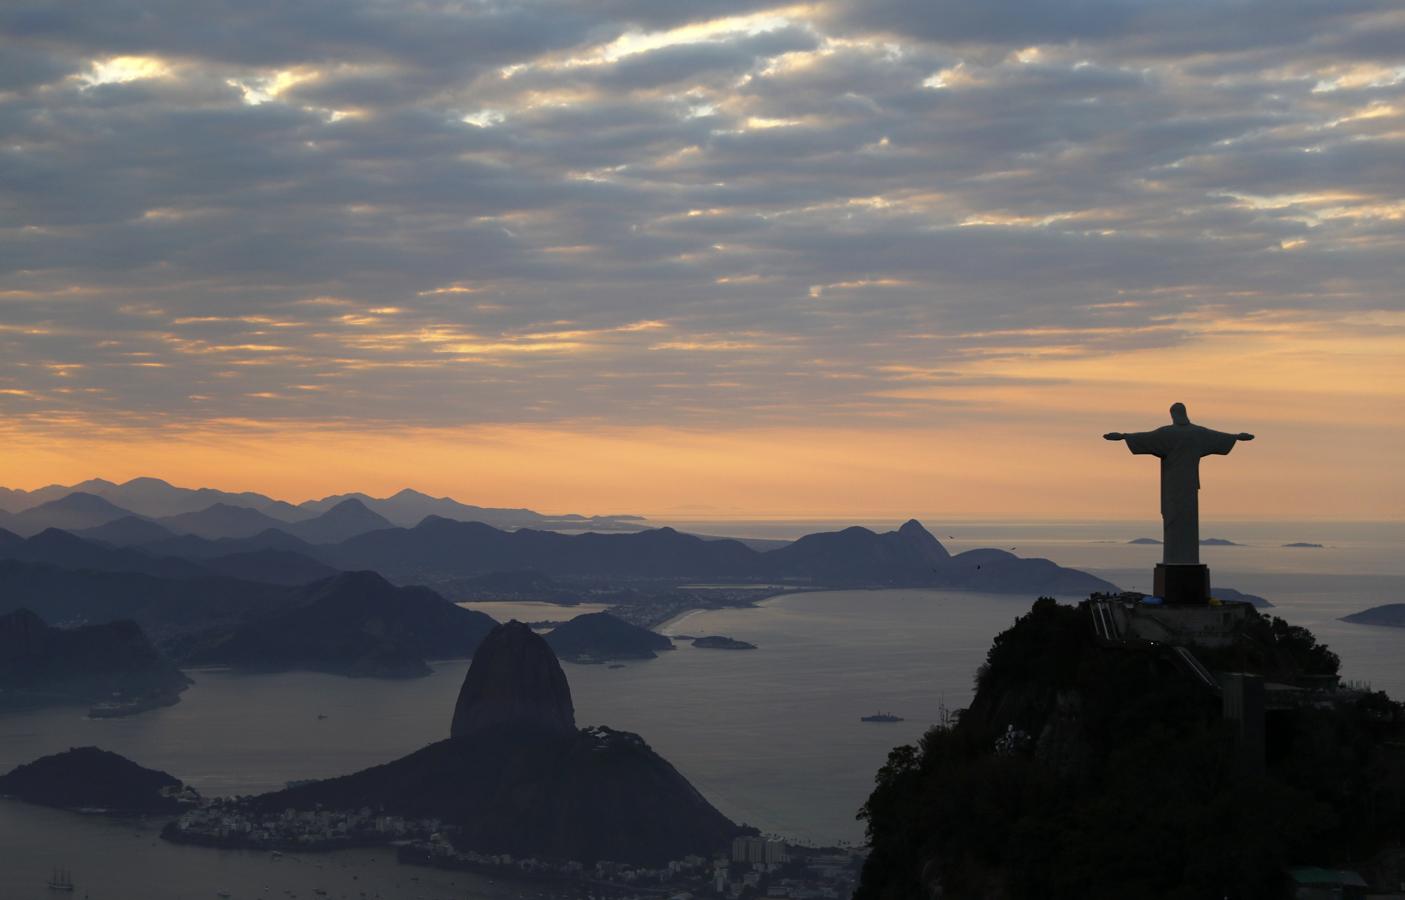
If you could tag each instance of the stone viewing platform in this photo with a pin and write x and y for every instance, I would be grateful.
(1130, 617)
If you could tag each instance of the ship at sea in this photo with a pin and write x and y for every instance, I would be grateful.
(61, 880)
(882, 717)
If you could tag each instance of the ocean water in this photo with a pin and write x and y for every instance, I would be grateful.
(771, 736)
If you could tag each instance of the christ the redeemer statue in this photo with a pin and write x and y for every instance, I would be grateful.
(1180, 446)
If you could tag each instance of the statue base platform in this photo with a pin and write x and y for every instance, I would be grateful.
(1182, 584)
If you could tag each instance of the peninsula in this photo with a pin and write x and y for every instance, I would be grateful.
(90, 779)
(516, 776)
(112, 664)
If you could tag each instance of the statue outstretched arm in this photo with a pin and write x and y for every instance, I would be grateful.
(1220, 442)
(1141, 442)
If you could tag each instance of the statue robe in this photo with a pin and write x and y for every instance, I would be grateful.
(1180, 448)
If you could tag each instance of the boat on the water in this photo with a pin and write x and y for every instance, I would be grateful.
(61, 880)
(882, 717)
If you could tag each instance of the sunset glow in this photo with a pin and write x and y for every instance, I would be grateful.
(830, 259)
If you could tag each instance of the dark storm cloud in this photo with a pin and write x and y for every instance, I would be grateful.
(448, 212)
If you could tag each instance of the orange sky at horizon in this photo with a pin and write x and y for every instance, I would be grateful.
(761, 261)
(1326, 410)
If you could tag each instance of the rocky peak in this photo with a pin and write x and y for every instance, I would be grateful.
(925, 542)
(514, 680)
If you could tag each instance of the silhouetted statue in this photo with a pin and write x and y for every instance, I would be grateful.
(1180, 446)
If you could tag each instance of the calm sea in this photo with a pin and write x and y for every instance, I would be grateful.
(770, 736)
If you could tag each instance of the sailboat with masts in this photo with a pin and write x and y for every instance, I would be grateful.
(61, 880)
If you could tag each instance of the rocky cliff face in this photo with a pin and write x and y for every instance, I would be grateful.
(514, 681)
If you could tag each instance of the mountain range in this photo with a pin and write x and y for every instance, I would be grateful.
(413, 536)
(439, 549)
(853, 557)
(27, 512)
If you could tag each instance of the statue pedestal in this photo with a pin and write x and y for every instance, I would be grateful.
(1182, 583)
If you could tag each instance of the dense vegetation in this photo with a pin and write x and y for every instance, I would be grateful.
(89, 778)
(1085, 771)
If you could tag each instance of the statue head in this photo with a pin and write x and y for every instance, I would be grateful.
(1178, 414)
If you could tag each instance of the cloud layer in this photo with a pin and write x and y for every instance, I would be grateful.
(654, 214)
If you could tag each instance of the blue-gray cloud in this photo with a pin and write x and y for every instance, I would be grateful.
(455, 212)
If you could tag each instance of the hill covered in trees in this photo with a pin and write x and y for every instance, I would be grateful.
(1082, 770)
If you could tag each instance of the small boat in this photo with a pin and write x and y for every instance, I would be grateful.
(882, 717)
(61, 880)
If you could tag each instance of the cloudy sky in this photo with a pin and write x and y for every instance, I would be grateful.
(869, 257)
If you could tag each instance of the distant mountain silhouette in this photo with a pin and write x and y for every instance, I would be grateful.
(409, 507)
(128, 531)
(40, 665)
(225, 522)
(60, 548)
(152, 498)
(1002, 572)
(345, 520)
(192, 547)
(11, 501)
(221, 520)
(1230, 595)
(9, 539)
(858, 555)
(601, 636)
(354, 623)
(910, 556)
(473, 548)
(71, 512)
(270, 566)
(155, 497)
(90, 778)
(518, 777)
(1390, 614)
(164, 607)
(18, 500)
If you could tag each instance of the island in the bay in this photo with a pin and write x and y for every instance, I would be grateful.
(88, 779)
(1391, 615)
(721, 642)
(598, 637)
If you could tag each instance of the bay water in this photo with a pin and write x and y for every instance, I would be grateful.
(771, 736)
